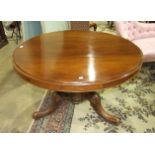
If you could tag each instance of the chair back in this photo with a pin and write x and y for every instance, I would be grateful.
(134, 30)
(80, 25)
(126, 29)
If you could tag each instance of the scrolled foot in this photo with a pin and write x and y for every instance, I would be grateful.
(39, 114)
(95, 102)
(56, 102)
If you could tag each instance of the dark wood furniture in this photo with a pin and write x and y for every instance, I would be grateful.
(3, 38)
(15, 26)
(77, 64)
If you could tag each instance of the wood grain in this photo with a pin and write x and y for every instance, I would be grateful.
(77, 61)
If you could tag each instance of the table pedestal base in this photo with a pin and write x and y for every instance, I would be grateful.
(93, 98)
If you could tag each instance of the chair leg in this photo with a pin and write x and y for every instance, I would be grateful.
(18, 28)
(17, 37)
(12, 33)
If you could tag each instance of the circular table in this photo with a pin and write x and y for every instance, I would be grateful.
(77, 64)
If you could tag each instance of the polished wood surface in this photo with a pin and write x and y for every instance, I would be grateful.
(75, 64)
(77, 61)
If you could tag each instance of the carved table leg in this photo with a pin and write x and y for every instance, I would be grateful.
(93, 97)
(95, 102)
(57, 99)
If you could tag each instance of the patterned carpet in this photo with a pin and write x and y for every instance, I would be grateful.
(59, 121)
(133, 102)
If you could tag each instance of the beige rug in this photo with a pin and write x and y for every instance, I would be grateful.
(133, 102)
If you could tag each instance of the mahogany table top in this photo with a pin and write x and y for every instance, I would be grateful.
(77, 61)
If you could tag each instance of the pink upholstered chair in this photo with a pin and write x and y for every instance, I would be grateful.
(141, 34)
